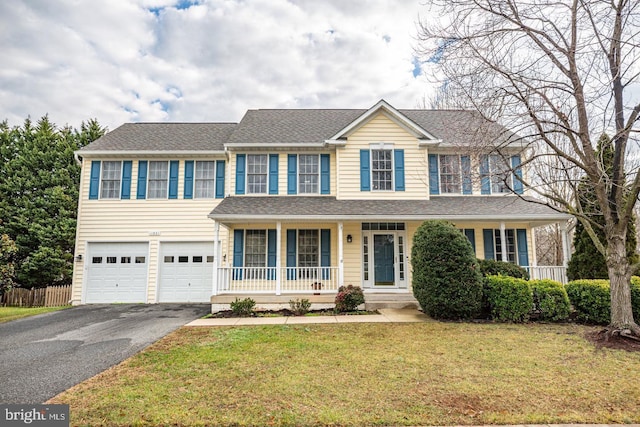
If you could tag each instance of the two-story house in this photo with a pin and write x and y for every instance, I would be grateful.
(292, 204)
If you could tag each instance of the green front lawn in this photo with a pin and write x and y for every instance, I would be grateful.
(365, 374)
(13, 313)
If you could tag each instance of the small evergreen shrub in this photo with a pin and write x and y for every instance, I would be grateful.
(635, 297)
(349, 298)
(550, 300)
(243, 307)
(591, 300)
(509, 299)
(446, 278)
(300, 307)
(489, 267)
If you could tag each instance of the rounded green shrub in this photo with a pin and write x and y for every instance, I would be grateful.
(446, 279)
(591, 300)
(489, 267)
(550, 300)
(509, 299)
(349, 298)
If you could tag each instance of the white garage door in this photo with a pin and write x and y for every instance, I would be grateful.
(186, 272)
(117, 272)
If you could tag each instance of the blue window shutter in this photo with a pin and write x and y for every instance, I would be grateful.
(471, 235)
(523, 250)
(173, 179)
(365, 170)
(238, 253)
(325, 174)
(142, 180)
(487, 235)
(291, 254)
(517, 174)
(325, 253)
(94, 181)
(273, 174)
(220, 179)
(485, 179)
(188, 179)
(126, 180)
(467, 187)
(241, 161)
(434, 176)
(292, 174)
(398, 157)
(272, 248)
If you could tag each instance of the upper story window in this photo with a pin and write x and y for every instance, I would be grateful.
(381, 170)
(449, 174)
(110, 180)
(158, 186)
(205, 173)
(308, 173)
(500, 176)
(257, 169)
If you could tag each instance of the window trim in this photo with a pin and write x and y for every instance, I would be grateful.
(148, 191)
(382, 147)
(318, 174)
(213, 179)
(119, 186)
(266, 173)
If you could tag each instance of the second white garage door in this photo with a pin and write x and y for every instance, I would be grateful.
(186, 272)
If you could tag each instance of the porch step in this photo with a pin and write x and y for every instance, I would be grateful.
(374, 301)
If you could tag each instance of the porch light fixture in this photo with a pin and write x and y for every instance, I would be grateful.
(79, 258)
(349, 238)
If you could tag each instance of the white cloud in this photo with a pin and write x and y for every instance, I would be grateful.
(164, 60)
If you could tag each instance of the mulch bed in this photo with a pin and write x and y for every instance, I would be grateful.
(602, 339)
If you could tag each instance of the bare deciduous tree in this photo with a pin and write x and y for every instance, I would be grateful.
(559, 73)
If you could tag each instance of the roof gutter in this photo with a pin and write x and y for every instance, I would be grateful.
(382, 217)
(125, 153)
(274, 146)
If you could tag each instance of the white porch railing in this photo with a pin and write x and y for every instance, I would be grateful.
(557, 273)
(273, 280)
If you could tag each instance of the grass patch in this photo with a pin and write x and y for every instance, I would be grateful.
(365, 374)
(13, 313)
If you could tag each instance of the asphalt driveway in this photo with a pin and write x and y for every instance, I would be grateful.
(44, 355)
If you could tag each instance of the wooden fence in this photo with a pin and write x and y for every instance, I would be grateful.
(51, 296)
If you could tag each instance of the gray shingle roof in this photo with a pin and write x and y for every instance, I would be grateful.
(441, 207)
(164, 137)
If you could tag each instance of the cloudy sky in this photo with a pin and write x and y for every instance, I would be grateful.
(207, 60)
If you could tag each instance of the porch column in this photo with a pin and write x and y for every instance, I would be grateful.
(534, 255)
(278, 258)
(216, 258)
(340, 254)
(565, 243)
(503, 242)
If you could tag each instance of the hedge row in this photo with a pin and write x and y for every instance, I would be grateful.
(511, 299)
(591, 299)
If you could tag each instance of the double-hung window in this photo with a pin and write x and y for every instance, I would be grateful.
(500, 175)
(382, 170)
(255, 253)
(110, 180)
(308, 173)
(205, 172)
(257, 170)
(158, 179)
(450, 173)
(510, 256)
(308, 253)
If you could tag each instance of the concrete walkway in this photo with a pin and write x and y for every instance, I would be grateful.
(387, 315)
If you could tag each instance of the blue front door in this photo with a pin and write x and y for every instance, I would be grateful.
(383, 259)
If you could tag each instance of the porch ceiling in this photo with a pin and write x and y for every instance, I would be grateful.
(322, 208)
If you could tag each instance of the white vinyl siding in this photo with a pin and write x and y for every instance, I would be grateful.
(158, 180)
(204, 185)
(110, 179)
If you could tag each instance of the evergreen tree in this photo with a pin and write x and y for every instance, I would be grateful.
(39, 197)
(587, 262)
